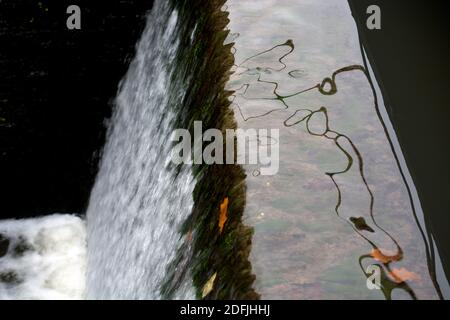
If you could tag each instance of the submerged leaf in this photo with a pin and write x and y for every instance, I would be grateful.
(223, 217)
(207, 288)
(385, 256)
(402, 275)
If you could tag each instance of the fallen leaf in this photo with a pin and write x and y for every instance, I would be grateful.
(385, 256)
(223, 216)
(402, 275)
(207, 288)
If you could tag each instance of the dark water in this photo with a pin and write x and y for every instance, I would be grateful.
(410, 61)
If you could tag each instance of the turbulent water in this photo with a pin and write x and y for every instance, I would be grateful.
(139, 199)
(43, 258)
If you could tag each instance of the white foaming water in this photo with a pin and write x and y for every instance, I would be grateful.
(139, 200)
(46, 258)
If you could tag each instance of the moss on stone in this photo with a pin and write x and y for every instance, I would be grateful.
(226, 253)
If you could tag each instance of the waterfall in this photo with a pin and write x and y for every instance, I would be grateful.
(140, 199)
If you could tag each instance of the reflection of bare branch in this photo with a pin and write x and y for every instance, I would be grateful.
(289, 43)
(328, 86)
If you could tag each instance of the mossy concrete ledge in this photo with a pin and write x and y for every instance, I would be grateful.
(204, 63)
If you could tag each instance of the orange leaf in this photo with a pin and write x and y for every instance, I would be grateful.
(223, 217)
(402, 275)
(385, 256)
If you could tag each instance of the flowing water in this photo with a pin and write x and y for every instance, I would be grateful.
(139, 199)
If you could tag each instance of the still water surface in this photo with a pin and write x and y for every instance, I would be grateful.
(338, 203)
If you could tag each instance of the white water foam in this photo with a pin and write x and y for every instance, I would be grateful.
(45, 258)
(140, 200)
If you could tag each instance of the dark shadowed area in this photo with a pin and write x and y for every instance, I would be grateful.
(55, 92)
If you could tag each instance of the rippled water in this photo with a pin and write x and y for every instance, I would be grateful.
(338, 203)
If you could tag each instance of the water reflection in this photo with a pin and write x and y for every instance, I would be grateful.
(267, 91)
